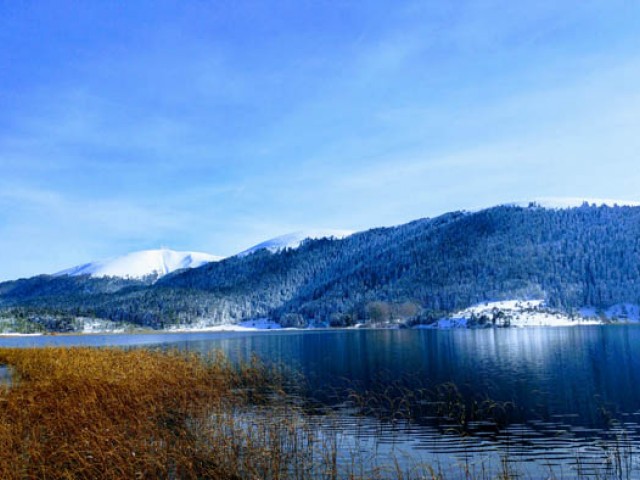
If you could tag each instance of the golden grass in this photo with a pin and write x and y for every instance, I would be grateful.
(108, 413)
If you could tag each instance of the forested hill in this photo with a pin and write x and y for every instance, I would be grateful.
(586, 256)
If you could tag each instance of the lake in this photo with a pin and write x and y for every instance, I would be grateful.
(564, 401)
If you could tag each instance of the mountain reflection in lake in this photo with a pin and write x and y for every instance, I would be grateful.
(562, 400)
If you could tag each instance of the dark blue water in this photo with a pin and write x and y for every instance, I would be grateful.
(572, 392)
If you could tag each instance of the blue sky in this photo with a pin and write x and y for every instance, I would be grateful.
(212, 126)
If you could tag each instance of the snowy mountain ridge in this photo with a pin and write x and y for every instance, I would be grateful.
(294, 239)
(142, 264)
(560, 203)
(160, 262)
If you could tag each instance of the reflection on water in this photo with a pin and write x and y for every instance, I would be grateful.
(575, 390)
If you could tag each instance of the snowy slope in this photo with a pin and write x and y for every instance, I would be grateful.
(514, 313)
(293, 240)
(256, 325)
(141, 264)
(534, 313)
(163, 261)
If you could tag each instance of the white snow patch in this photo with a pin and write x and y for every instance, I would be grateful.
(142, 264)
(293, 240)
(13, 334)
(92, 325)
(247, 326)
(514, 313)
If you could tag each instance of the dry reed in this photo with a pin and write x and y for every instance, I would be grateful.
(109, 413)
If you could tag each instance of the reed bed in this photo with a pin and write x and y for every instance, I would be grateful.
(109, 413)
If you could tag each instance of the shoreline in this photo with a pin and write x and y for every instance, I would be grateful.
(222, 330)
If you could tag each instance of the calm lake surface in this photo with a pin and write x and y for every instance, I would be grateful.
(560, 400)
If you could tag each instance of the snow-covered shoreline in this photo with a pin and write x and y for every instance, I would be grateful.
(533, 313)
(16, 334)
(504, 313)
(257, 325)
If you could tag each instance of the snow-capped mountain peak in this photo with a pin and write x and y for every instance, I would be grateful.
(160, 262)
(142, 264)
(294, 239)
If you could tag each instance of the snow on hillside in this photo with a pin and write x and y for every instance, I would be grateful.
(141, 264)
(163, 261)
(514, 313)
(574, 202)
(293, 240)
(256, 325)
